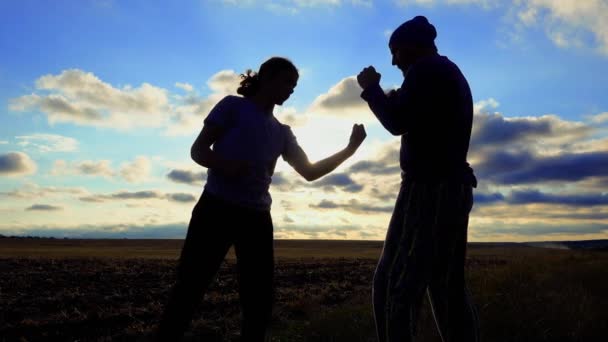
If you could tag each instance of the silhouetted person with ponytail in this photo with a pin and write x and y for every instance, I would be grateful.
(425, 245)
(240, 143)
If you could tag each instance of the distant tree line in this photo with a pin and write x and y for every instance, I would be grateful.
(28, 237)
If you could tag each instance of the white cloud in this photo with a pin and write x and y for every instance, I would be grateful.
(224, 82)
(32, 190)
(101, 168)
(187, 116)
(136, 171)
(568, 22)
(290, 116)
(16, 164)
(95, 168)
(345, 94)
(343, 100)
(124, 195)
(48, 142)
(600, 118)
(184, 86)
(485, 106)
(80, 97)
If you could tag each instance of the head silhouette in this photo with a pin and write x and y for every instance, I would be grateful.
(412, 40)
(275, 80)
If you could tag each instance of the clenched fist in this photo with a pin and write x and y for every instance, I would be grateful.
(368, 76)
(356, 137)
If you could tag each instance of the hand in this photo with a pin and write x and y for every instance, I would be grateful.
(356, 137)
(368, 77)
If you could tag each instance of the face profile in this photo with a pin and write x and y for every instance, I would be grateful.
(283, 85)
(403, 56)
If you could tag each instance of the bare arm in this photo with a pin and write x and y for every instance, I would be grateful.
(312, 171)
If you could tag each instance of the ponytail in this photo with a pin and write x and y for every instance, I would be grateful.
(250, 82)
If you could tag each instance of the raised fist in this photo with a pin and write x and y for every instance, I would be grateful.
(368, 76)
(356, 137)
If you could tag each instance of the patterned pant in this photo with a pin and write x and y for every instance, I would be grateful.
(424, 251)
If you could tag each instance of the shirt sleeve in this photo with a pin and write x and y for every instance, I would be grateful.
(395, 111)
(222, 114)
(292, 150)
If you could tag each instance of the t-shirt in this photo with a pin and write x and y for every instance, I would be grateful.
(433, 113)
(249, 134)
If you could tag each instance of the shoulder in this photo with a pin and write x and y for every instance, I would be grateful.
(285, 129)
(433, 68)
(232, 100)
(225, 111)
(287, 134)
(231, 104)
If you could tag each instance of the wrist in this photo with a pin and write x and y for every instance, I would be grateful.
(350, 149)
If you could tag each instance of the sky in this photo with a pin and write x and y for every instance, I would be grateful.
(100, 101)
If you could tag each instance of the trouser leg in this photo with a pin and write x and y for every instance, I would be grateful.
(207, 242)
(255, 263)
(380, 281)
(453, 309)
(403, 272)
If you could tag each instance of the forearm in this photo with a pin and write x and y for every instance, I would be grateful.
(327, 165)
(209, 159)
(383, 109)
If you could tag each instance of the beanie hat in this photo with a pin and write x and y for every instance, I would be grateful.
(417, 31)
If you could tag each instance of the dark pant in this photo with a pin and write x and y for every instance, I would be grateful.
(214, 227)
(424, 251)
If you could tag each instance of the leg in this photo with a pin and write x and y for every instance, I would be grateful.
(408, 280)
(454, 313)
(408, 269)
(255, 262)
(380, 282)
(205, 247)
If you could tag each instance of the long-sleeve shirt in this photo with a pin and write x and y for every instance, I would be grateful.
(433, 114)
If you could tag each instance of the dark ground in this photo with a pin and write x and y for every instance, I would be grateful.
(522, 293)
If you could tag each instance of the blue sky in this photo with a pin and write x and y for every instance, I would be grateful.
(100, 101)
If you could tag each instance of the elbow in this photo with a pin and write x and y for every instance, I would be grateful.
(396, 131)
(310, 178)
(309, 175)
(194, 155)
(197, 157)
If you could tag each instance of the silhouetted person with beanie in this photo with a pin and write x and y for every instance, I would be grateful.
(425, 245)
